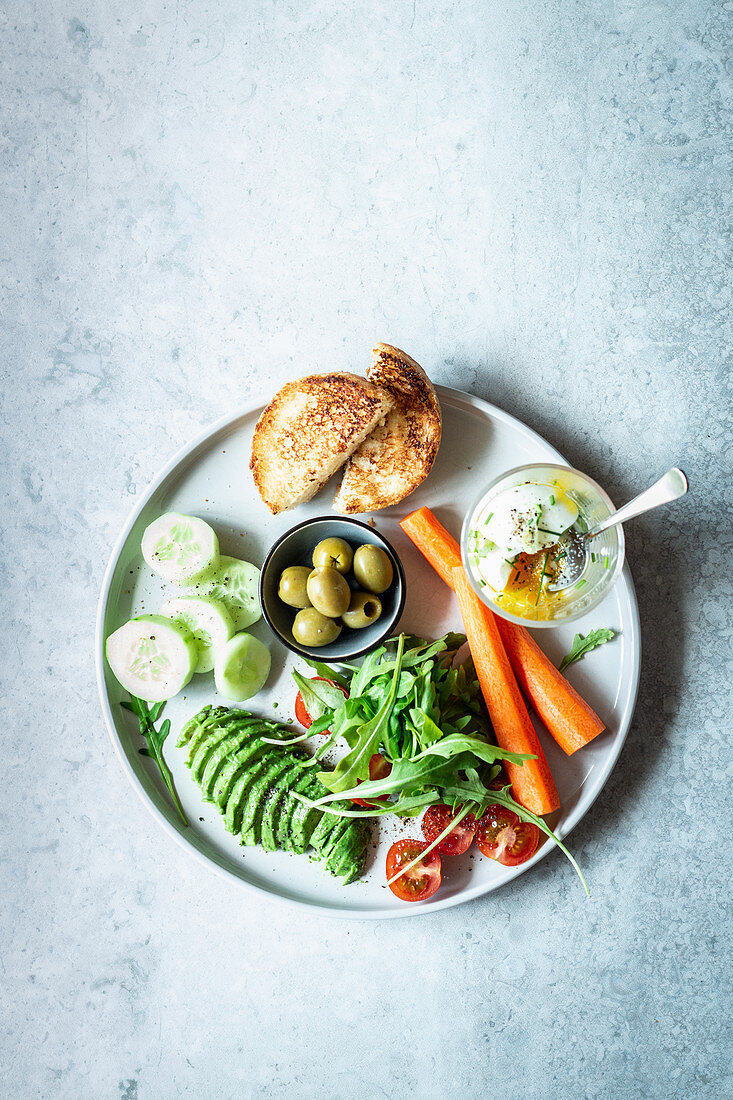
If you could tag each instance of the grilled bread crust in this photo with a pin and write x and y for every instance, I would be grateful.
(309, 429)
(399, 454)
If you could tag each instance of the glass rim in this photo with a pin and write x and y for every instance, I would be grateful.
(604, 589)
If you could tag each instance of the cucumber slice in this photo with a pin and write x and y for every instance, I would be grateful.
(236, 584)
(242, 667)
(180, 549)
(207, 619)
(152, 657)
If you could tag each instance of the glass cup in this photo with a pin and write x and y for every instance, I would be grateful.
(604, 560)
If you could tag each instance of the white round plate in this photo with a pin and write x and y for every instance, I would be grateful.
(210, 478)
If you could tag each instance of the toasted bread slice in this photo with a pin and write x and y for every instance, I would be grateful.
(308, 431)
(399, 454)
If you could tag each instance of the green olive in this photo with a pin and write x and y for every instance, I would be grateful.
(333, 552)
(312, 629)
(364, 610)
(292, 588)
(373, 569)
(328, 591)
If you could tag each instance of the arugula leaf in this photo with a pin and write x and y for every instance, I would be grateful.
(327, 673)
(505, 799)
(457, 743)
(318, 696)
(582, 645)
(426, 729)
(408, 776)
(355, 765)
(405, 806)
(154, 740)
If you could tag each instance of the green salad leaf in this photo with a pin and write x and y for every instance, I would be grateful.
(582, 645)
(154, 739)
(318, 696)
(424, 713)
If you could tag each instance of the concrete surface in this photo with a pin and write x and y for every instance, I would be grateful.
(200, 201)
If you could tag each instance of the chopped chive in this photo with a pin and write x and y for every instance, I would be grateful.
(605, 562)
(489, 517)
(581, 583)
(482, 583)
(552, 498)
(542, 577)
(592, 556)
(547, 531)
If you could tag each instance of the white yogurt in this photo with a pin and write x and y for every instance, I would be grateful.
(521, 520)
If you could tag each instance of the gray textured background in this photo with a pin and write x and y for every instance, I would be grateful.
(199, 201)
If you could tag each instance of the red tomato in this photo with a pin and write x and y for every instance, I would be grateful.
(379, 768)
(422, 880)
(302, 715)
(502, 836)
(499, 782)
(459, 839)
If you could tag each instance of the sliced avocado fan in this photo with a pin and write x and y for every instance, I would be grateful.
(255, 786)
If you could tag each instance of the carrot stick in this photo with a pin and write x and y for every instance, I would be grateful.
(434, 542)
(564, 712)
(532, 782)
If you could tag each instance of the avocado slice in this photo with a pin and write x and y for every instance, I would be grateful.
(240, 792)
(258, 793)
(284, 835)
(326, 826)
(346, 858)
(218, 758)
(237, 763)
(239, 735)
(339, 830)
(306, 818)
(206, 747)
(192, 725)
(275, 802)
(202, 728)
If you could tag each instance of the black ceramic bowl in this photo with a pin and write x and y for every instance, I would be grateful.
(296, 547)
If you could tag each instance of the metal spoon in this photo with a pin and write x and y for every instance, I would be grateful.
(670, 486)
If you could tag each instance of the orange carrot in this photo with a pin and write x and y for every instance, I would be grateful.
(564, 712)
(434, 542)
(532, 782)
(568, 718)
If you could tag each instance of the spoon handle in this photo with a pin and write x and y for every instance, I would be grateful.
(670, 486)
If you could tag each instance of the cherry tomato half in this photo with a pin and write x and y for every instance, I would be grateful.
(501, 835)
(302, 715)
(422, 880)
(379, 768)
(459, 839)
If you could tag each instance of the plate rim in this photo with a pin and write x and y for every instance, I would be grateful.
(336, 912)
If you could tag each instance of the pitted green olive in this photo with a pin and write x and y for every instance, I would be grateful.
(312, 629)
(292, 588)
(328, 591)
(364, 610)
(333, 552)
(373, 569)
